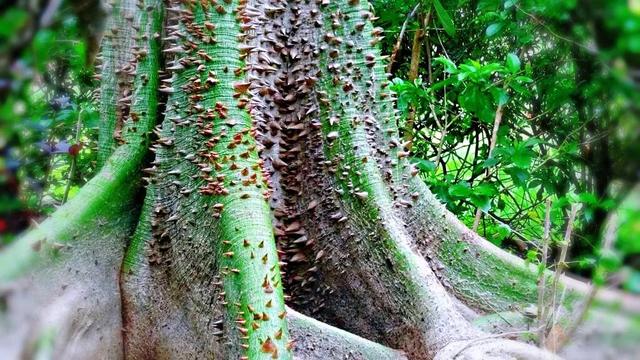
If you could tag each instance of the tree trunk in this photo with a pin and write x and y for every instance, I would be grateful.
(277, 169)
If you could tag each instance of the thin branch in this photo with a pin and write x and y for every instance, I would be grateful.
(494, 138)
(542, 278)
(427, 48)
(489, 337)
(416, 56)
(555, 34)
(396, 47)
(609, 237)
(72, 168)
(561, 264)
(442, 45)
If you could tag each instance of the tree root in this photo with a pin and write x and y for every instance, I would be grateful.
(68, 308)
(316, 340)
(105, 202)
(486, 348)
(473, 268)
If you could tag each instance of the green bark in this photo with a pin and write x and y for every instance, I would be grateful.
(355, 104)
(210, 205)
(103, 207)
(115, 51)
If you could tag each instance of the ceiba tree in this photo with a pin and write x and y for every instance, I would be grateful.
(250, 161)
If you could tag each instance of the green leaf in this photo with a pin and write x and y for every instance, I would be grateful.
(488, 5)
(444, 18)
(534, 183)
(610, 260)
(449, 66)
(490, 162)
(628, 233)
(482, 202)
(12, 21)
(524, 79)
(588, 198)
(468, 68)
(513, 63)
(473, 100)
(500, 95)
(468, 99)
(519, 176)
(503, 152)
(485, 189)
(461, 190)
(518, 88)
(532, 141)
(486, 71)
(440, 84)
(423, 164)
(522, 157)
(499, 233)
(493, 29)
(587, 262)
(90, 118)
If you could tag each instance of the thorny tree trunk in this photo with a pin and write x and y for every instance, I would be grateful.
(276, 169)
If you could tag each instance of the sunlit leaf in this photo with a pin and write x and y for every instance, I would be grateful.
(12, 20)
(460, 190)
(513, 63)
(493, 29)
(449, 66)
(444, 18)
(423, 164)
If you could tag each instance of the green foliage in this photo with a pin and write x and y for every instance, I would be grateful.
(444, 18)
(47, 114)
(563, 78)
(12, 21)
